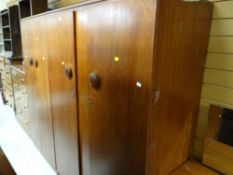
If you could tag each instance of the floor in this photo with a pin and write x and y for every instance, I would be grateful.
(18, 148)
(194, 168)
(26, 159)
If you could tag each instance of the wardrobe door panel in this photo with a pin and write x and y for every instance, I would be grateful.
(43, 91)
(36, 68)
(62, 73)
(114, 48)
(30, 79)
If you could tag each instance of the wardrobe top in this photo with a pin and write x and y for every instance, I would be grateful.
(88, 2)
(72, 7)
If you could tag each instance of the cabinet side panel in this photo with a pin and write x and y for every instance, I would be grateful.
(182, 40)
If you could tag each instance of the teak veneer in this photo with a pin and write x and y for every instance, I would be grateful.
(118, 84)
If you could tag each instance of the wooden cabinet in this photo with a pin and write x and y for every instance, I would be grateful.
(115, 85)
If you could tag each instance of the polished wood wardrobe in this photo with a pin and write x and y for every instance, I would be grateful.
(114, 85)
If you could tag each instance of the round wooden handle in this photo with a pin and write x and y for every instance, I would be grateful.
(95, 80)
(31, 62)
(68, 72)
(35, 63)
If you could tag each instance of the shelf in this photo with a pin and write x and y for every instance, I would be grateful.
(4, 13)
(23, 0)
(4, 27)
(5, 20)
(18, 67)
(7, 54)
(7, 46)
(11, 33)
(7, 39)
(24, 9)
(32, 7)
(6, 33)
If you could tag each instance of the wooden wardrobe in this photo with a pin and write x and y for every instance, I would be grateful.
(114, 85)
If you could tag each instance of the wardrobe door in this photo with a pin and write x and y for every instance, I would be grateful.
(114, 48)
(39, 99)
(62, 73)
(30, 79)
(40, 51)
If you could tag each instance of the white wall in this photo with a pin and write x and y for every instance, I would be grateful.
(2, 4)
(218, 79)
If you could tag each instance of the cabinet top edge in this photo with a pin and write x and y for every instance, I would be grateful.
(71, 7)
(89, 2)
